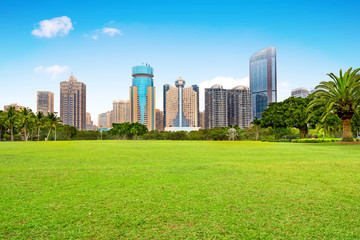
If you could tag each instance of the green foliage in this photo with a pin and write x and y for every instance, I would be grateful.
(128, 130)
(315, 140)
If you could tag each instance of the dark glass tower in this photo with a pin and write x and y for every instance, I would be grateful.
(263, 82)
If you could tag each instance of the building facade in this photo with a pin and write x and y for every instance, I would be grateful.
(202, 120)
(73, 103)
(239, 107)
(159, 116)
(142, 96)
(121, 111)
(15, 105)
(105, 120)
(181, 106)
(89, 122)
(216, 107)
(300, 92)
(45, 102)
(263, 80)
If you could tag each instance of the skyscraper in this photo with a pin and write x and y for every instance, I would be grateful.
(216, 107)
(181, 106)
(73, 103)
(121, 111)
(239, 106)
(263, 83)
(159, 120)
(45, 102)
(142, 96)
(89, 122)
(105, 120)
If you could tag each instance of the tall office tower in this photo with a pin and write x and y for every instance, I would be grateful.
(239, 106)
(15, 105)
(45, 102)
(105, 120)
(263, 83)
(89, 122)
(121, 111)
(202, 120)
(216, 107)
(73, 103)
(300, 92)
(159, 115)
(142, 96)
(181, 107)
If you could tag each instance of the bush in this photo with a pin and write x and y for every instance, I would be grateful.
(315, 140)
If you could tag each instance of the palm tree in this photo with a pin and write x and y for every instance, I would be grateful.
(53, 120)
(2, 121)
(39, 122)
(10, 119)
(26, 115)
(341, 97)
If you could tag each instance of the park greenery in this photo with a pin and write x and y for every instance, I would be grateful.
(332, 111)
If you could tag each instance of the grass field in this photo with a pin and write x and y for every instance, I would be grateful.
(177, 190)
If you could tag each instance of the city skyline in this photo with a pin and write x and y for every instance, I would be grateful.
(207, 50)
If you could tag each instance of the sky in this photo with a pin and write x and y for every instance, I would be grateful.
(206, 42)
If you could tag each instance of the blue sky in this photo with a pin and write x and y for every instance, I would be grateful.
(206, 41)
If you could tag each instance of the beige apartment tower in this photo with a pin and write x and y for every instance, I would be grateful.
(45, 102)
(181, 107)
(121, 111)
(73, 103)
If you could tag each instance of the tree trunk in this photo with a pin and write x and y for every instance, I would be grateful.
(303, 131)
(11, 132)
(25, 135)
(47, 138)
(38, 133)
(347, 133)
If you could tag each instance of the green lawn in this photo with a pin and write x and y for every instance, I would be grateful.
(179, 189)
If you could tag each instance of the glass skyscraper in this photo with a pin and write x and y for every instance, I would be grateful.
(263, 82)
(142, 96)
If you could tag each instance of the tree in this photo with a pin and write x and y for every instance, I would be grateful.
(10, 119)
(53, 120)
(26, 116)
(256, 127)
(2, 122)
(39, 122)
(341, 97)
(232, 133)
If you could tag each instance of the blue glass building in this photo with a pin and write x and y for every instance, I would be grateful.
(142, 96)
(263, 82)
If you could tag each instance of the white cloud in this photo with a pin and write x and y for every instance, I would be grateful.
(51, 28)
(226, 82)
(95, 37)
(54, 70)
(111, 31)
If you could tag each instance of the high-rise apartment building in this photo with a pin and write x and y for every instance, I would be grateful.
(142, 96)
(300, 92)
(159, 116)
(239, 107)
(202, 120)
(216, 107)
(263, 83)
(181, 106)
(105, 120)
(121, 111)
(89, 122)
(15, 105)
(73, 103)
(45, 102)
